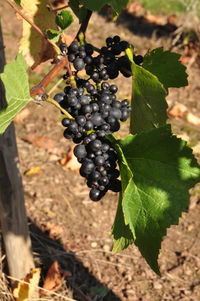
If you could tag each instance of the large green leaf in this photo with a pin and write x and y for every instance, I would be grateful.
(157, 170)
(148, 99)
(64, 19)
(117, 5)
(167, 67)
(15, 80)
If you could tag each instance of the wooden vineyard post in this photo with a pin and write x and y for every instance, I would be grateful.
(13, 218)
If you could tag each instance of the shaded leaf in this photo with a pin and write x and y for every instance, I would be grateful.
(167, 67)
(157, 170)
(53, 35)
(64, 19)
(148, 99)
(15, 80)
(96, 5)
(78, 9)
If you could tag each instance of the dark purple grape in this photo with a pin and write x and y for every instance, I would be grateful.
(73, 47)
(89, 49)
(95, 145)
(86, 109)
(95, 194)
(63, 48)
(87, 166)
(66, 122)
(116, 113)
(116, 39)
(138, 59)
(109, 41)
(73, 127)
(80, 151)
(113, 89)
(71, 57)
(81, 120)
(59, 97)
(97, 119)
(89, 125)
(79, 64)
(99, 161)
(105, 86)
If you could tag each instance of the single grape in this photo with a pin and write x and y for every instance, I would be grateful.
(80, 151)
(59, 97)
(79, 64)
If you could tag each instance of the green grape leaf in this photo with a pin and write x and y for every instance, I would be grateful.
(167, 67)
(157, 170)
(148, 99)
(15, 80)
(79, 10)
(117, 5)
(64, 19)
(53, 35)
(18, 2)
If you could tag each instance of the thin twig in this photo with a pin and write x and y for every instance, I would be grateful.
(84, 24)
(56, 104)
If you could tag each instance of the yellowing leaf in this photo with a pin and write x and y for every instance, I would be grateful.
(33, 171)
(33, 46)
(26, 288)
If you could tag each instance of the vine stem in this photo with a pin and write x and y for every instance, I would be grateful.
(56, 104)
(33, 25)
(84, 24)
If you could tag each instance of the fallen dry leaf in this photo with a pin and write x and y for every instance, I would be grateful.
(54, 279)
(44, 142)
(179, 111)
(25, 291)
(69, 161)
(54, 230)
(33, 171)
(22, 115)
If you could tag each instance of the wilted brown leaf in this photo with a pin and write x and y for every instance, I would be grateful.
(69, 161)
(54, 230)
(54, 279)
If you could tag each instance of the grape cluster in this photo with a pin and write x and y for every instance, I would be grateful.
(107, 64)
(92, 109)
(96, 112)
(98, 165)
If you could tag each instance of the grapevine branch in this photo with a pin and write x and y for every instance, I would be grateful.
(39, 89)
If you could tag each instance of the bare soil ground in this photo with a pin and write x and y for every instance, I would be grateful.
(58, 205)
